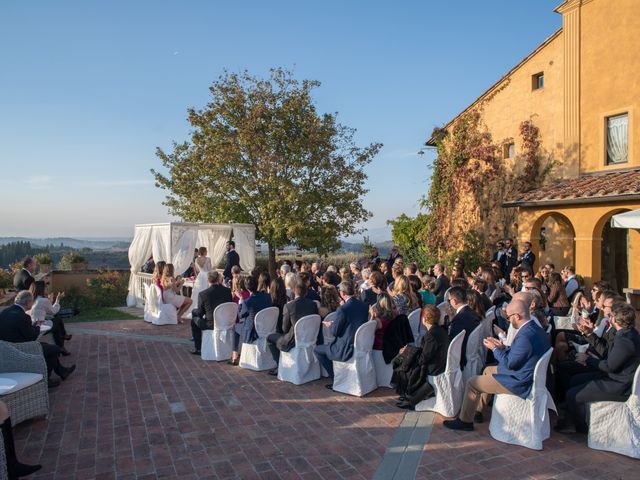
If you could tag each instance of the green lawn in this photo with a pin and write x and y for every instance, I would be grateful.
(98, 314)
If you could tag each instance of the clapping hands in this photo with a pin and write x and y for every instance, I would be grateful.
(493, 343)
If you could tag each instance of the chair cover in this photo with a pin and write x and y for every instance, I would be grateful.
(615, 426)
(448, 386)
(256, 356)
(475, 354)
(384, 371)
(299, 365)
(414, 321)
(357, 376)
(156, 312)
(524, 422)
(217, 344)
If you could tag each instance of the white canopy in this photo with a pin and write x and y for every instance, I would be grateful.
(626, 220)
(175, 243)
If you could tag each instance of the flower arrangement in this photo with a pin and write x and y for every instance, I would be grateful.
(107, 289)
(72, 261)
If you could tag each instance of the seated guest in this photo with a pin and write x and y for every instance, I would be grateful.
(356, 273)
(614, 376)
(463, 319)
(171, 288)
(156, 277)
(366, 273)
(23, 278)
(428, 298)
(208, 300)
(414, 364)
(279, 299)
(514, 373)
(480, 285)
(329, 300)
(416, 285)
(571, 284)
(239, 292)
(330, 277)
(378, 285)
(44, 310)
(442, 283)
(474, 300)
(16, 327)
(245, 331)
(386, 271)
(15, 469)
(299, 307)
(149, 266)
(311, 293)
(345, 274)
(350, 316)
(290, 282)
(396, 271)
(383, 313)
(403, 295)
(264, 280)
(557, 299)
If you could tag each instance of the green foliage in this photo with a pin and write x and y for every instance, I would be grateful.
(367, 246)
(6, 279)
(260, 153)
(107, 289)
(16, 251)
(407, 233)
(43, 258)
(69, 259)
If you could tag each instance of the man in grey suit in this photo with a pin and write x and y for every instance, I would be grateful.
(293, 311)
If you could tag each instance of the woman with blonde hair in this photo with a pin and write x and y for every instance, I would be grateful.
(405, 298)
(171, 291)
(290, 283)
(383, 313)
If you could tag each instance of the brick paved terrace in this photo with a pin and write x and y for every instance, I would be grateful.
(139, 406)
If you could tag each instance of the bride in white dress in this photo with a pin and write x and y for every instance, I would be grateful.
(202, 266)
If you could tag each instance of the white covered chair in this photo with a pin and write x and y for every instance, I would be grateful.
(524, 422)
(615, 426)
(217, 344)
(357, 376)
(384, 371)
(448, 386)
(326, 331)
(300, 365)
(157, 312)
(475, 352)
(256, 356)
(414, 321)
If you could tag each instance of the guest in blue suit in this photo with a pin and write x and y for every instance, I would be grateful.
(349, 317)
(245, 331)
(514, 372)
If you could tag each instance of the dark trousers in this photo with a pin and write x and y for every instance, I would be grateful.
(273, 347)
(196, 332)
(423, 392)
(565, 372)
(58, 331)
(590, 387)
(51, 354)
(322, 352)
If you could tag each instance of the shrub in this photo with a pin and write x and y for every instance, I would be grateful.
(68, 259)
(43, 258)
(107, 289)
(6, 279)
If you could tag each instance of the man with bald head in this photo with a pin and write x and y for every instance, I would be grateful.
(514, 373)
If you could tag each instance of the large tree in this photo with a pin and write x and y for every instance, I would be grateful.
(260, 153)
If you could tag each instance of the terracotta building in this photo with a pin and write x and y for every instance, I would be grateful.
(581, 88)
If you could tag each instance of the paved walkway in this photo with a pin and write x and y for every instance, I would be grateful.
(140, 406)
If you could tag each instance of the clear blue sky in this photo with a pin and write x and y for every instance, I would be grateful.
(88, 89)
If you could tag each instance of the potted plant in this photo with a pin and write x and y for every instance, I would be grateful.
(78, 262)
(44, 260)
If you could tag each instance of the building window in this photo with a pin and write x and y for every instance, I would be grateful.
(617, 139)
(508, 150)
(537, 81)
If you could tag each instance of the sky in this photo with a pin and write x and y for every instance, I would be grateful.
(89, 89)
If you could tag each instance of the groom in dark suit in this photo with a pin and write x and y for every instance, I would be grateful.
(208, 300)
(233, 259)
(24, 278)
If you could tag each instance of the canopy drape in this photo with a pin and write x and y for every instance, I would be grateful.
(626, 220)
(175, 243)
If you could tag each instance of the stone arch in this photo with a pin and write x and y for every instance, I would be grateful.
(558, 246)
(611, 251)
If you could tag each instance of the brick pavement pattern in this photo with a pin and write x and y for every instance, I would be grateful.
(138, 409)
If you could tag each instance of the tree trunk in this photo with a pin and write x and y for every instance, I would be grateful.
(272, 261)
